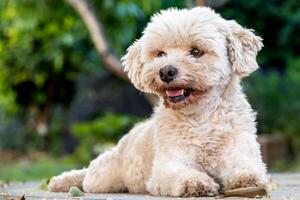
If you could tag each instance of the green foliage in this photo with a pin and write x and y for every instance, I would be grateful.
(274, 91)
(44, 49)
(276, 21)
(44, 46)
(101, 133)
(276, 100)
(39, 48)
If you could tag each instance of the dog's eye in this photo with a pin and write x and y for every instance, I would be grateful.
(160, 54)
(196, 52)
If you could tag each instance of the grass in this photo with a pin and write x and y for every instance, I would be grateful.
(37, 169)
(286, 165)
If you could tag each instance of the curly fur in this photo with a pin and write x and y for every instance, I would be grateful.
(196, 146)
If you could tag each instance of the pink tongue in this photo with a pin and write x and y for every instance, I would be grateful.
(174, 93)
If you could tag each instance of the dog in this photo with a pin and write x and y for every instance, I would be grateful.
(202, 136)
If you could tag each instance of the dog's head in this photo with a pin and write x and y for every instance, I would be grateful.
(184, 54)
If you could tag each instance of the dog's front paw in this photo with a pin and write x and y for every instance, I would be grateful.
(244, 180)
(201, 185)
(185, 185)
(58, 184)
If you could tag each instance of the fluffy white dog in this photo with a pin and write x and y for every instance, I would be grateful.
(202, 136)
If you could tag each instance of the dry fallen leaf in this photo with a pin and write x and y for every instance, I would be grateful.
(22, 197)
(75, 192)
(250, 192)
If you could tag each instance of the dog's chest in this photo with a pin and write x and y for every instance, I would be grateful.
(202, 141)
(195, 131)
(204, 137)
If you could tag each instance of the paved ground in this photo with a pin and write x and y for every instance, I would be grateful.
(288, 189)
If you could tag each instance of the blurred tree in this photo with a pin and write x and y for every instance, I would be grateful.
(96, 31)
(45, 47)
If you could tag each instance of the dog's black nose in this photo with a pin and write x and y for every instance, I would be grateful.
(168, 73)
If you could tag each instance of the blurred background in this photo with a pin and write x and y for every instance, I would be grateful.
(64, 98)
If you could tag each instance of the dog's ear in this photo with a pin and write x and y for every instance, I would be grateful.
(243, 46)
(133, 65)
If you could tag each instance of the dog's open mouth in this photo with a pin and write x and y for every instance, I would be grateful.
(178, 94)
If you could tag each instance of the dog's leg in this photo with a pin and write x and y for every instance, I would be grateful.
(103, 174)
(63, 182)
(176, 179)
(242, 165)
